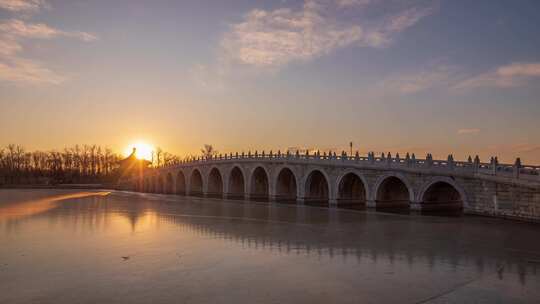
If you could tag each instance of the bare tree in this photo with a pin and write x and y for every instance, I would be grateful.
(77, 164)
(208, 151)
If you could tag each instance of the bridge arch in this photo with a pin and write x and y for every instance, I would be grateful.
(196, 183)
(393, 191)
(442, 194)
(169, 183)
(180, 183)
(286, 185)
(154, 184)
(137, 185)
(237, 184)
(161, 184)
(146, 185)
(352, 189)
(317, 189)
(215, 183)
(259, 184)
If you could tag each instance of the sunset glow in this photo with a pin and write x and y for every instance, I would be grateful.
(144, 150)
(273, 75)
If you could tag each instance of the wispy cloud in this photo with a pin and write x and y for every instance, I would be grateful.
(470, 131)
(507, 76)
(22, 5)
(15, 28)
(14, 68)
(410, 82)
(271, 39)
(28, 71)
(353, 3)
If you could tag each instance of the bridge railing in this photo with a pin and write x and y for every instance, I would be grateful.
(516, 170)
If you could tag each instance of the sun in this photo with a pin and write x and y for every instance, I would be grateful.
(144, 150)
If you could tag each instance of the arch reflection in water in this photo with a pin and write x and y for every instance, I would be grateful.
(344, 245)
(311, 231)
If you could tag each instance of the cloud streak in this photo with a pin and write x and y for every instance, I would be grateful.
(472, 131)
(14, 68)
(274, 38)
(27, 71)
(507, 76)
(412, 82)
(22, 5)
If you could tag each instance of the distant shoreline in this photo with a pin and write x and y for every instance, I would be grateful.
(57, 186)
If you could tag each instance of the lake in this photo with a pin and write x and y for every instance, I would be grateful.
(77, 246)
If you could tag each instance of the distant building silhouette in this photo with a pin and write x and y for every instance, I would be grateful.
(132, 166)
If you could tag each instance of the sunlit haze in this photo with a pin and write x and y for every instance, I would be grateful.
(143, 150)
(443, 77)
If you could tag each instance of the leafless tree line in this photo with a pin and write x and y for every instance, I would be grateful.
(77, 164)
(162, 158)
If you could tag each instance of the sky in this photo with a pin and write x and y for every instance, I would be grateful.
(454, 77)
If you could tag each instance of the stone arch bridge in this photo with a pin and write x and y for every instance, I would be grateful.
(384, 182)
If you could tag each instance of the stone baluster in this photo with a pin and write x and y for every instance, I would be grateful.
(476, 165)
(450, 162)
(408, 159)
(429, 160)
(382, 157)
(343, 155)
(334, 156)
(494, 165)
(357, 157)
(297, 154)
(389, 159)
(262, 154)
(371, 157)
(271, 154)
(398, 159)
(256, 154)
(288, 153)
(517, 167)
(279, 153)
(249, 154)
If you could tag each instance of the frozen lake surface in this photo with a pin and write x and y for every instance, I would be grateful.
(67, 246)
